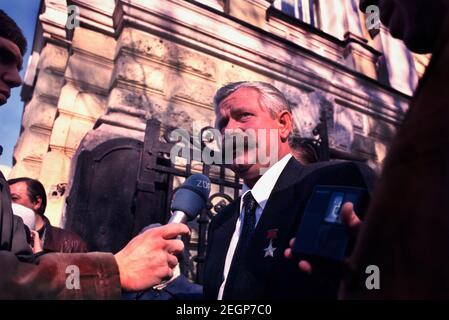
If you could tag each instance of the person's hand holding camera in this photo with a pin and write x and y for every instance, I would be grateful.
(349, 218)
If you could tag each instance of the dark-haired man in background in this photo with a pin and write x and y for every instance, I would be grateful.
(31, 194)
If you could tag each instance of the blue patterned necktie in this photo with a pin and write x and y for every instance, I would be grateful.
(237, 270)
(249, 221)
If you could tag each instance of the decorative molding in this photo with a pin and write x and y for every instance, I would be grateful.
(33, 160)
(78, 116)
(37, 128)
(275, 58)
(96, 14)
(53, 21)
(191, 25)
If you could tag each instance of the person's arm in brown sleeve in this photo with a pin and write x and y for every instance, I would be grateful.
(81, 245)
(53, 276)
(144, 262)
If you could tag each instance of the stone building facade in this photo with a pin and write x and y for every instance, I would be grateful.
(131, 60)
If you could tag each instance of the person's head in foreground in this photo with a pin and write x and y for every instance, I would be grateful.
(12, 48)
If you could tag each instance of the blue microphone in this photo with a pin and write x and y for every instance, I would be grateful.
(190, 199)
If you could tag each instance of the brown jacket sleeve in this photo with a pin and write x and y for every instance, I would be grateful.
(48, 276)
(52, 275)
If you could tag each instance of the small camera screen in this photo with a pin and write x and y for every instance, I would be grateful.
(333, 210)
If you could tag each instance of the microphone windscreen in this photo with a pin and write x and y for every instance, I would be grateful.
(192, 196)
(27, 215)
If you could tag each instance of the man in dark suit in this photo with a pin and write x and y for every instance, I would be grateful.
(246, 241)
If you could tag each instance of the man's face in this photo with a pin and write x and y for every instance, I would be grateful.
(19, 195)
(416, 22)
(10, 65)
(242, 111)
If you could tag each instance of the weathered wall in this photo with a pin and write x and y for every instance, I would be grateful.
(133, 60)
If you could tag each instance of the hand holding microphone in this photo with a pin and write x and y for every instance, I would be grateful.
(150, 257)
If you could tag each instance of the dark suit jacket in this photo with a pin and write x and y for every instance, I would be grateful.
(276, 277)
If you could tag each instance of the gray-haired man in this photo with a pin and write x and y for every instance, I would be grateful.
(247, 240)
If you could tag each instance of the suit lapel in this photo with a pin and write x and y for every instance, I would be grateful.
(278, 219)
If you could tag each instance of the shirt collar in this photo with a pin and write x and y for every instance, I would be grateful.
(44, 227)
(263, 187)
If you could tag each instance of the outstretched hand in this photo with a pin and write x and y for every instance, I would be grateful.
(150, 257)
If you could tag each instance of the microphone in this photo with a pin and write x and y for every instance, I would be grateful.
(28, 216)
(187, 202)
(190, 199)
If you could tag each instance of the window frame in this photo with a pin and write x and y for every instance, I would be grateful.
(307, 11)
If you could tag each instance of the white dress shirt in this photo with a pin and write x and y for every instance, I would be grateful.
(261, 192)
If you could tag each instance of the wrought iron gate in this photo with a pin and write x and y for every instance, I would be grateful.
(124, 185)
